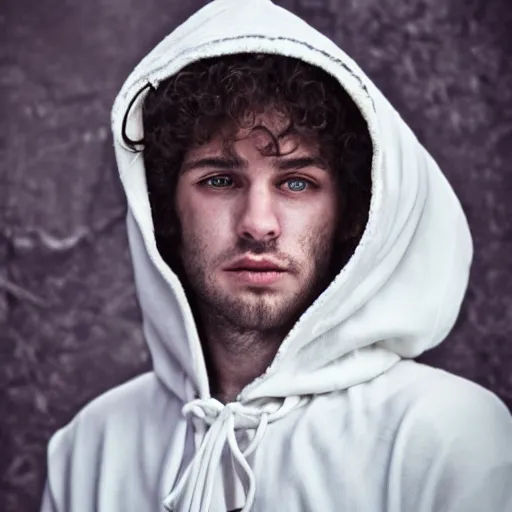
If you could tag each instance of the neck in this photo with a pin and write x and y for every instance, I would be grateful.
(235, 357)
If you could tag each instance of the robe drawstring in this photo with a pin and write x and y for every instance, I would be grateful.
(194, 491)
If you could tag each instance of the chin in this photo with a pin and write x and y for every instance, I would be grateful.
(261, 311)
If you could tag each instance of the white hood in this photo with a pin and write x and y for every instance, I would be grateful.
(401, 291)
(398, 296)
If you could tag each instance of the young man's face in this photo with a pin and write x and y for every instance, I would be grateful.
(247, 204)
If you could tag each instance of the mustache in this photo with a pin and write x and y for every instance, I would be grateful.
(258, 247)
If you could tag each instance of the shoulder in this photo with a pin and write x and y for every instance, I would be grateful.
(449, 441)
(439, 401)
(128, 429)
(125, 409)
(446, 403)
(448, 419)
(133, 398)
(427, 389)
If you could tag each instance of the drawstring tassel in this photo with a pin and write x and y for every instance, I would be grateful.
(194, 491)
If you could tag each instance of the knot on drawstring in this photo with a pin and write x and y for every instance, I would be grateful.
(194, 491)
(210, 410)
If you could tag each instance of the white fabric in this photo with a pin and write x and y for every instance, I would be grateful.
(339, 421)
(197, 482)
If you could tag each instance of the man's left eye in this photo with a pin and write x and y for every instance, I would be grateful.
(300, 188)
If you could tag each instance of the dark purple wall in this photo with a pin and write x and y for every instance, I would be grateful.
(69, 323)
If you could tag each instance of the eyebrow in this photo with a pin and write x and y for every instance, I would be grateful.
(233, 163)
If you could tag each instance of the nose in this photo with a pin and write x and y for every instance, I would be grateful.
(258, 218)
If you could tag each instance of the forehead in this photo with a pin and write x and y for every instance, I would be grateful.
(266, 131)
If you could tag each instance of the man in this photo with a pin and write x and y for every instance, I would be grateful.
(293, 245)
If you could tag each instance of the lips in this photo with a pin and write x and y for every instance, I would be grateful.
(255, 265)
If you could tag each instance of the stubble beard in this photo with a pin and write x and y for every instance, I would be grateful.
(257, 309)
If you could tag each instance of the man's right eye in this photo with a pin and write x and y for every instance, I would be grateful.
(216, 181)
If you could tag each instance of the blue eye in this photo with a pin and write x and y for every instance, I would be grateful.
(297, 180)
(216, 179)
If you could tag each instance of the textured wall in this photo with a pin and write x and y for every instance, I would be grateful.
(69, 323)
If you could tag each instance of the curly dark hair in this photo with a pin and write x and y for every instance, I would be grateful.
(227, 93)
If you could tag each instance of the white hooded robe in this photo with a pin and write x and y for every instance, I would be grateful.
(342, 420)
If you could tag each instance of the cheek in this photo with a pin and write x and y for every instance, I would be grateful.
(311, 234)
(320, 217)
(204, 223)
